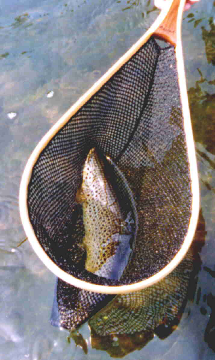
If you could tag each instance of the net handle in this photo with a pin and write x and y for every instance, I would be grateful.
(168, 28)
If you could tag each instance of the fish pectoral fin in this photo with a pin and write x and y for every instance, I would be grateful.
(81, 246)
(79, 340)
(124, 228)
(79, 196)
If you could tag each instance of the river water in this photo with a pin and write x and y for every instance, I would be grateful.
(51, 53)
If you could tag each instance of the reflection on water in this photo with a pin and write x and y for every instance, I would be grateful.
(202, 109)
(8, 212)
(11, 115)
(209, 38)
(51, 52)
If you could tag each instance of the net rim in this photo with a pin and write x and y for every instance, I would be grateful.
(23, 195)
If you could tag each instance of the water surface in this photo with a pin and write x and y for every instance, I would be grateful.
(51, 53)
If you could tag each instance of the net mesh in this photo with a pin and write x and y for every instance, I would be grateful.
(128, 313)
(136, 119)
(144, 310)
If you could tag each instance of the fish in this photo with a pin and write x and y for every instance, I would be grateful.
(108, 229)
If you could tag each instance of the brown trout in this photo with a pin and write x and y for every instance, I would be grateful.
(107, 230)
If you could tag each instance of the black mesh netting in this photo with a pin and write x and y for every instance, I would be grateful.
(135, 119)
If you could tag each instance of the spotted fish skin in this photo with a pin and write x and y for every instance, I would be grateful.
(107, 232)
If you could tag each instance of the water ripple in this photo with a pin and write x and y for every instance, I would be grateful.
(9, 212)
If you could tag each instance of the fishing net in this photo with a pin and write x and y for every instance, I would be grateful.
(135, 119)
(144, 310)
(136, 312)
